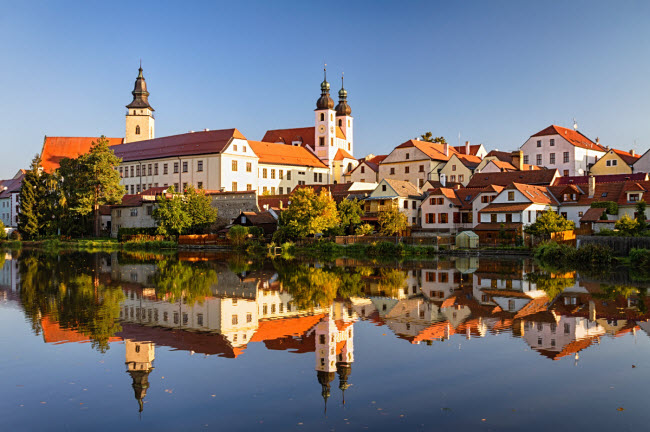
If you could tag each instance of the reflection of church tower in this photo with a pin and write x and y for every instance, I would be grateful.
(325, 378)
(344, 369)
(139, 363)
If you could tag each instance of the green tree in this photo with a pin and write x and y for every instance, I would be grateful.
(428, 137)
(170, 214)
(627, 226)
(3, 235)
(364, 229)
(237, 234)
(547, 223)
(350, 212)
(640, 216)
(198, 206)
(177, 280)
(392, 221)
(97, 181)
(30, 195)
(308, 214)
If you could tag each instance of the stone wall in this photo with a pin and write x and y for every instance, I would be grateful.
(229, 205)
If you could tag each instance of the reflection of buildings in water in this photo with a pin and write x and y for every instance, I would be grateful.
(9, 278)
(557, 336)
(139, 357)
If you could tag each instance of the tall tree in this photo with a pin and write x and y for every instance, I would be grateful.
(392, 221)
(428, 137)
(29, 217)
(199, 208)
(308, 214)
(350, 212)
(99, 181)
(640, 215)
(170, 214)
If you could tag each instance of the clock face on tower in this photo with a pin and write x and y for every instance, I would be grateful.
(321, 129)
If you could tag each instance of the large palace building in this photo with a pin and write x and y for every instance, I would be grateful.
(224, 159)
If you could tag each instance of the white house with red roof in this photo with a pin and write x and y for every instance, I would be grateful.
(566, 150)
(416, 162)
(367, 171)
(10, 199)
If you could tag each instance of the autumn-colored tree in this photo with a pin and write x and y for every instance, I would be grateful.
(392, 221)
(549, 222)
(308, 214)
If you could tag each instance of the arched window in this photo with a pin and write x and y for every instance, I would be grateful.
(340, 122)
(322, 117)
(137, 130)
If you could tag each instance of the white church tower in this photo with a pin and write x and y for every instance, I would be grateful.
(139, 114)
(325, 129)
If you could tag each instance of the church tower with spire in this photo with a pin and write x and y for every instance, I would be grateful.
(344, 119)
(139, 364)
(139, 113)
(325, 130)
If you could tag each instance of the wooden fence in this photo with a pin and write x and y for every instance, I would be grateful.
(202, 240)
(620, 245)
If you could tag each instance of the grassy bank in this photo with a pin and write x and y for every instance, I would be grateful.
(89, 245)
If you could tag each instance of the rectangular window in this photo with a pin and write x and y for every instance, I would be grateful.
(165, 170)
(249, 317)
(526, 159)
(406, 204)
(234, 165)
(614, 162)
(134, 212)
(452, 178)
(392, 171)
(234, 320)
(184, 186)
(272, 173)
(249, 187)
(321, 141)
(137, 188)
(315, 177)
(121, 173)
(132, 189)
(461, 177)
(551, 158)
(127, 189)
(539, 143)
(493, 218)
(552, 142)
(185, 166)
(566, 157)
(538, 159)
(137, 171)
(566, 173)
(249, 167)
(264, 189)
(406, 170)
(509, 217)
(408, 156)
(264, 172)
(199, 185)
(149, 210)
(199, 319)
(234, 147)
(281, 190)
(149, 169)
(155, 169)
(281, 174)
(175, 167)
(199, 166)
(234, 186)
(453, 167)
(363, 170)
(421, 168)
(443, 218)
(320, 177)
(511, 196)
(288, 175)
(272, 190)
(430, 218)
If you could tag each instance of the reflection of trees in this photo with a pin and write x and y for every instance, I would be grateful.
(391, 281)
(612, 292)
(552, 285)
(64, 289)
(309, 286)
(178, 280)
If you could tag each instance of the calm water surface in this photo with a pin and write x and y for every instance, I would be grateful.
(207, 342)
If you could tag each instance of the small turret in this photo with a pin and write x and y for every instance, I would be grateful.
(343, 109)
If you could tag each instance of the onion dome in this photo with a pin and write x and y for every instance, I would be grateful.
(140, 384)
(324, 379)
(324, 101)
(343, 109)
(140, 93)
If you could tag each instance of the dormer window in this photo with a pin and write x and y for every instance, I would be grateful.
(633, 197)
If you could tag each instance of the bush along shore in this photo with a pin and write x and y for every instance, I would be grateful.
(590, 257)
(90, 245)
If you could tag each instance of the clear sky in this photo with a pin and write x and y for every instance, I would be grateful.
(494, 71)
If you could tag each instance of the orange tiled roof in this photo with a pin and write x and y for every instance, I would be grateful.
(574, 137)
(57, 148)
(627, 157)
(274, 153)
(473, 149)
(54, 333)
(438, 330)
(435, 151)
(279, 328)
(342, 154)
(542, 177)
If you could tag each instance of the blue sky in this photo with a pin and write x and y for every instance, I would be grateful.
(495, 72)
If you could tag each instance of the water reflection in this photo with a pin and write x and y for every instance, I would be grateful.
(221, 305)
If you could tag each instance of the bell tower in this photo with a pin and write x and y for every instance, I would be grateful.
(344, 120)
(325, 130)
(139, 364)
(139, 114)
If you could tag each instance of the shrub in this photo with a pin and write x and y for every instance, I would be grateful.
(237, 234)
(135, 231)
(365, 229)
(561, 255)
(640, 257)
(627, 226)
(15, 235)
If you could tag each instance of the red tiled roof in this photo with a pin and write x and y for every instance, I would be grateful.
(592, 215)
(305, 135)
(372, 163)
(281, 154)
(627, 157)
(609, 178)
(279, 201)
(473, 149)
(437, 330)
(193, 143)
(574, 137)
(435, 151)
(54, 333)
(509, 226)
(57, 148)
(505, 207)
(500, 155)
(537, 177)
(260, 218)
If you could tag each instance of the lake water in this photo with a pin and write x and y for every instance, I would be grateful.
(137, 341)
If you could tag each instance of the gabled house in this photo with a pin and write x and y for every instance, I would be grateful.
(393, 193)
(459, 168)
(472, 150)
(447, 210)
(615, 162)
(10, 199)
(514, 208)
(266, 220)
(415, 161)
(367, 171)
(642, 165)
(566, 150)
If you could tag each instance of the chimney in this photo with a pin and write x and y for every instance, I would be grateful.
(518, 159)
(632, 152)
(446, 147)
(443, 180)
(592, 186)
(467, 148)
